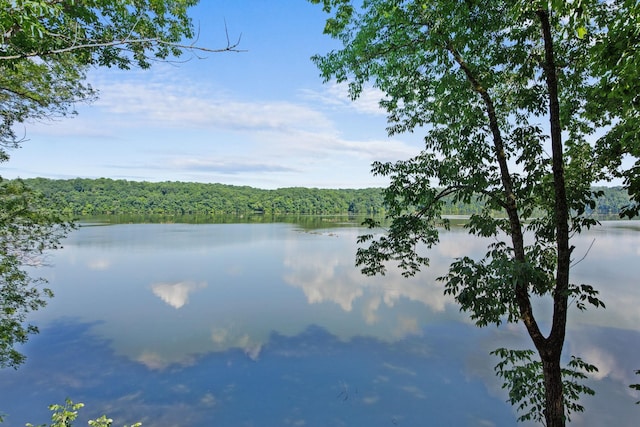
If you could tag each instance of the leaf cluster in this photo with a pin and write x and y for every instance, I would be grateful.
(615, 98)
(86, 197)
(64, 415)
(97, 32)
(448, 69)
(46, 48)
(524, 380)
(26, 234)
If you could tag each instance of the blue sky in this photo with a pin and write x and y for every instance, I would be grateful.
(261, 118)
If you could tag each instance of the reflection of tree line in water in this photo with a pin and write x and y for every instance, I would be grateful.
(206, 203)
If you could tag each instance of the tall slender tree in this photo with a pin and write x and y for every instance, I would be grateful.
(503, 91)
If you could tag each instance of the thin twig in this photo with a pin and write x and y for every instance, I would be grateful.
(231, 47)
(585, 254)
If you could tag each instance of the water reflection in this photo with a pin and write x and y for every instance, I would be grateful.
(312, 378)
(176, 294)
(437, 377)
(248, 322)
(325, 274)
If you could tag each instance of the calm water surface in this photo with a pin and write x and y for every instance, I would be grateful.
(271, 325)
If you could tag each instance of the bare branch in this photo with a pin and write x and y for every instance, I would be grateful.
(231, 47)
(585, 254)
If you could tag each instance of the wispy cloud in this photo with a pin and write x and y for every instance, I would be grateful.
(194, 164)
(166, 105)
(162, 128)
(336, 95)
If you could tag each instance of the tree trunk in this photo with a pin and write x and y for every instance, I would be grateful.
(551, 350)
(554, 400)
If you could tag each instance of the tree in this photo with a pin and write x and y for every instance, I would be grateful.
(46, 48)
(26, 232)
(504, 92)
(616, 65)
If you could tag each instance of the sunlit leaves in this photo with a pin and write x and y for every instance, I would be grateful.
(93, 30)
(65, 415)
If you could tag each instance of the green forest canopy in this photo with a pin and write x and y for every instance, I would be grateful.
(103, 196)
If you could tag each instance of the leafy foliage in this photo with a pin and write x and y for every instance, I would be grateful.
(524, 379)
(64, 416)
(26, 233)
(616, 64)
(507, 94)
(106, 196)
(83, 197)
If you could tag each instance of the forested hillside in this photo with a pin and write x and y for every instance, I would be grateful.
(106, 196)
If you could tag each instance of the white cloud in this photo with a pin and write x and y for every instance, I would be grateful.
(336, 95)
(167, 105)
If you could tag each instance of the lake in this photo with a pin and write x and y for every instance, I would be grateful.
(272, 325)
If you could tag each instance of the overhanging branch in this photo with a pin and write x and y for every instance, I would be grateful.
(231, 47)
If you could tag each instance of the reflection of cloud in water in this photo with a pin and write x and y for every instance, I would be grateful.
(326, 276)
(611, 266)
(319, 279)
(99, 264)
(225, 338)
(370, 309)
(457, 243)
(155, 361)
(414, 391)
(407, 326)
(208, 400)
(176, 294)
(399, 369)
(370, 400)
(615, 359)
(387, 386)
(604, 361)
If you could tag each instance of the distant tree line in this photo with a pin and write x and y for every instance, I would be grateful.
(106, 196)
(103, 196)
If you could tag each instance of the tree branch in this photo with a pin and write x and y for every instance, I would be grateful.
(522, 291)
(231, 47)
